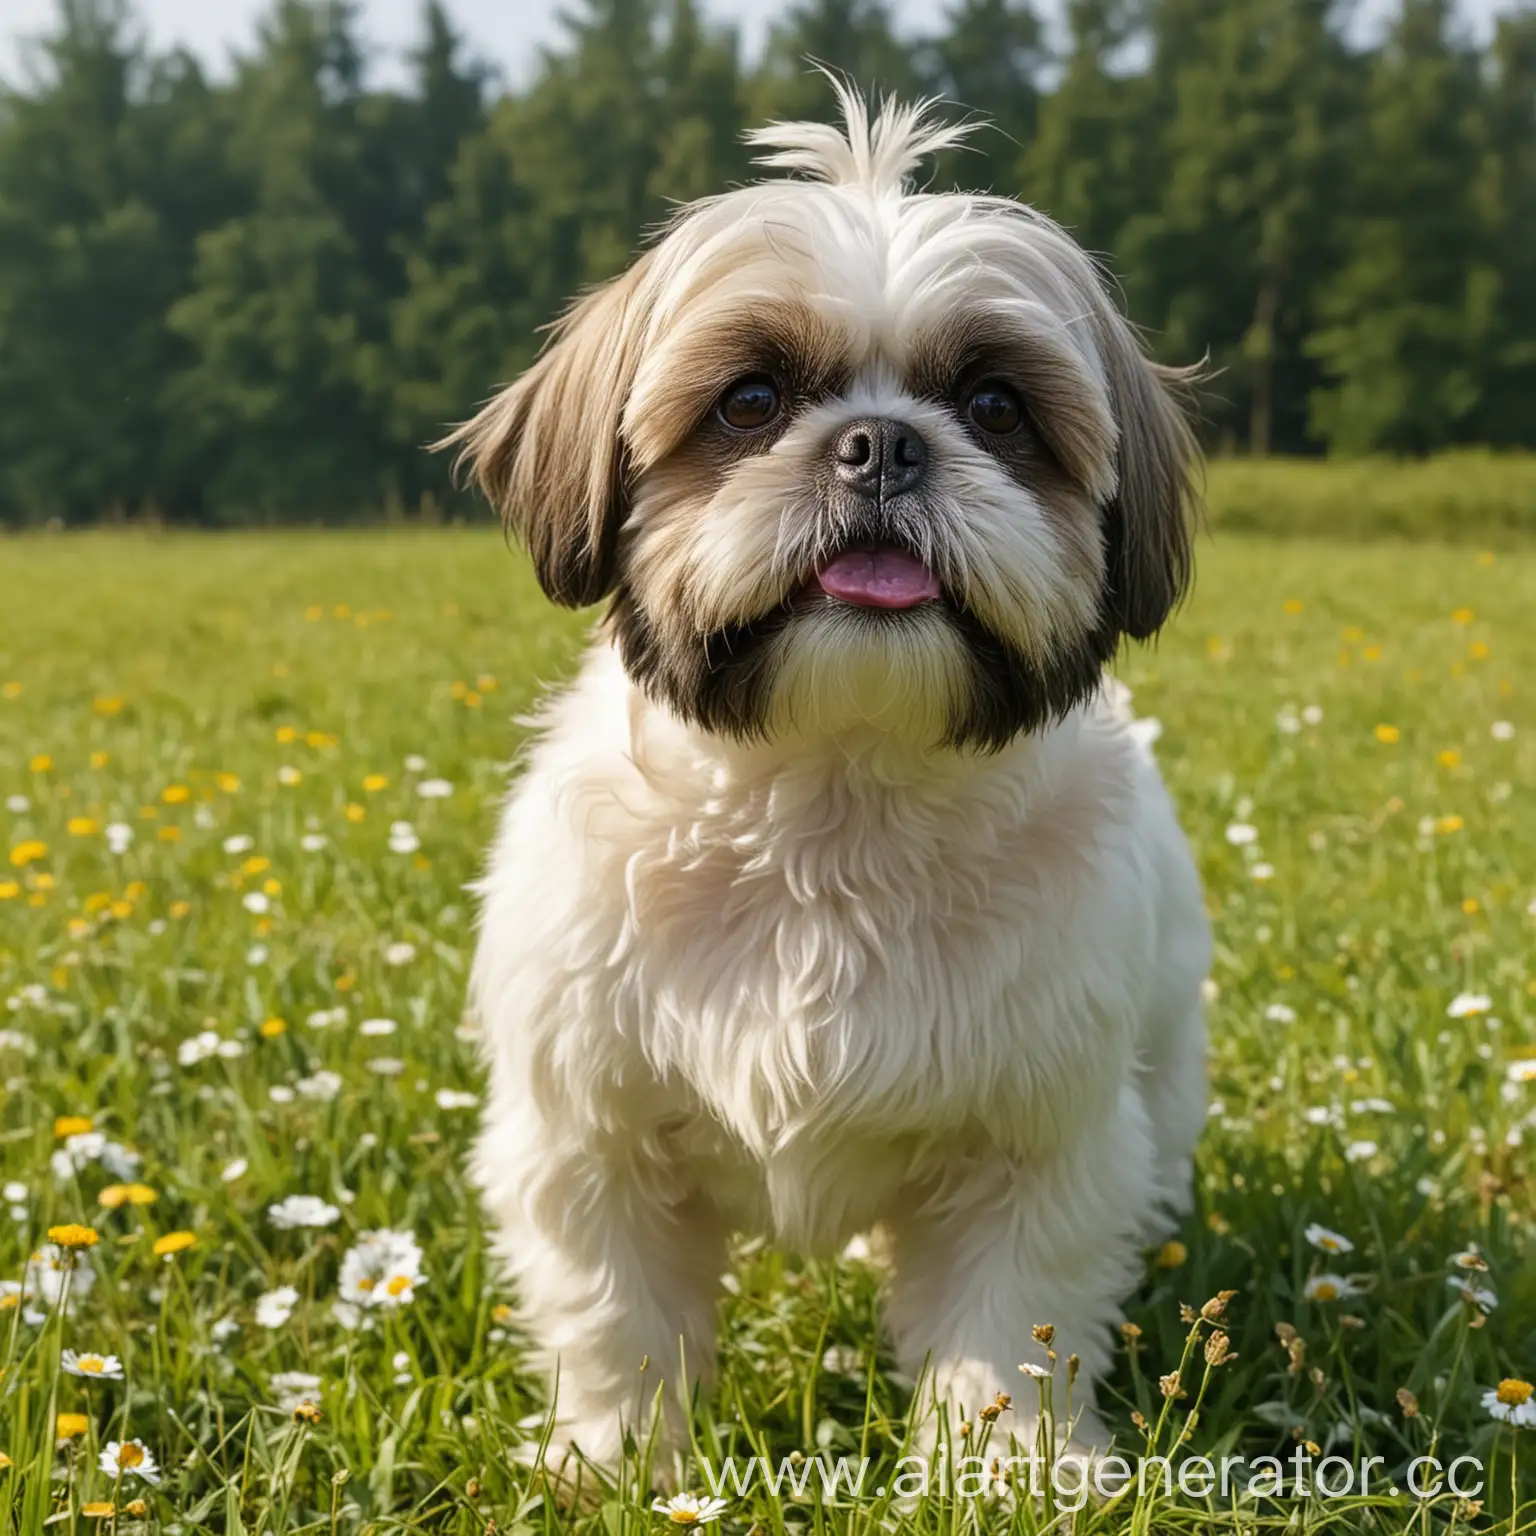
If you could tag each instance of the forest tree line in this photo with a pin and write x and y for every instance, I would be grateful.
(257, 294)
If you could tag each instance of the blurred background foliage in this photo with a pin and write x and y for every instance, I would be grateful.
(254, 298)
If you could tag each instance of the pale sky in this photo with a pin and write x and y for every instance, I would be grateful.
(508, 32)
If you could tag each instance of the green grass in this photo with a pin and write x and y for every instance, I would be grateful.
(1470, 496)
(135, 672)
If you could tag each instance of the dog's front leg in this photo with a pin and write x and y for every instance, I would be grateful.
(992, 1247)
(617, 1271)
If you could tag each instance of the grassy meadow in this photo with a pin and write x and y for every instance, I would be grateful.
(243, 783)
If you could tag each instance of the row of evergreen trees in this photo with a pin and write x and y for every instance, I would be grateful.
(257, 297)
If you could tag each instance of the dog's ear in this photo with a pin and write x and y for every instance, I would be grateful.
(547, 450)
(1150, 520)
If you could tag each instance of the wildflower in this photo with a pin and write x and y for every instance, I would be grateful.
(69, 1426)
(399, 953)
(386, 1066)
(1240, 834)
(403, 838)
(294, 1387)
(72, 1236)
(374, 782)
(377, 1027)
(272, 1028)
(1466, 1005)
(1327, 1287)
(454, 1098)
(322, 1087)
(119, 837)
(124, 1458)
(98, 1509)
(238, 843)
(1172, 1254)
(1502, 730)
(1470, 1258)
(136, 1509)
(288, 776)
(256, 903)
(1387, 734)
(115, 1195)
(1511, 1402)
(100, 1367)
(313, 842)
(302, 1211)
(415, 763)
(1360, 1151)
(383, 1269)
(28, 852)
(307, 1413)
(434, 789)
(82, 826)
(173, 1243)
(1478, 1298)
(71, 1125)
(1329, 1242)
(1521, 1071)
(274, 1308)
(689, 1509)
(234, 1169)
(53, 1272)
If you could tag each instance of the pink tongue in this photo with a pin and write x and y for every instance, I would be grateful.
(878, 578)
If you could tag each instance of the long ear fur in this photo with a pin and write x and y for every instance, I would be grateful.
(547, 451)
(1150, 520)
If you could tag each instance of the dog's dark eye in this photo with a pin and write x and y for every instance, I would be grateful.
(995, 408)
(749, 404)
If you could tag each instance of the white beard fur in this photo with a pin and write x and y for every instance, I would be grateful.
(809, 987)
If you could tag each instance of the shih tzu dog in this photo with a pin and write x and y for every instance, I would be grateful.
(835, 892)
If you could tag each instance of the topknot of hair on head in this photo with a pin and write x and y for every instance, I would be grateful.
(876, 154)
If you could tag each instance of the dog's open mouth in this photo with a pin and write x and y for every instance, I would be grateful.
(878, 576)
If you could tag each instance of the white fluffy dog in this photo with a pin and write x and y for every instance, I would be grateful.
(834, 893)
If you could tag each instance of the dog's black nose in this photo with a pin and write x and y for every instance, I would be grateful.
(879, 457)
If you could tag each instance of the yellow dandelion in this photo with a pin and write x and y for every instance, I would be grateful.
(9, 890)
(83, 826)
(69, 1426)
(272, 887)
(136, 1509)
(1463, 616)
(1353, 635)
(346, 981)
(175, 794)
(321, 741)
(375, 782)
(28, 852)
(229, 783)
(286, 734)
(472, 700)
(115, 1195)
(1478, 650)
(108, 706)
(169, 834)
(486, 683)
(173, 1243)
(42, 763)
(356, 813)
(122, 910)
(341, 611)
(1471, 906)
(180, 908)
(1371, 653)
(458, 690)
(272, 1028)
(72, 1125)
(502, 1313)
(98, 1509)
(314, 613)
(1450, 758)
(1445, 825)
(73, 1235)
(77, 928)
(100, 759)
(256, 864)
(1388, 734)
(1293, 606)
(1172, 1254)
(11, 690)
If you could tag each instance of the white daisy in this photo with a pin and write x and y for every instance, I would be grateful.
(1512, 1402)
(1329, 1288)
(377, 1027)
(1360, 1151)
(239, 843)
(236, 1169)
(119, 837)
(302, 1211)
(322, 1086)
(1477, 1296)
(454, 1098)
(415, 763)
(294, 1387)
(401, 952)
(91, 1365)
(1328, 1242)
(1466, 1005)
(1502, 730)
(1241, 835)
(313, 842)
(434, 789)
(256, 902)
(1280, 1013)
(382, 1269)
(128, 1458)
(18, 805)
(1521, 1071)
(274, 1308)
(689, 1509)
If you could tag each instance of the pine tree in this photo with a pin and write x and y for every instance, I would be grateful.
(1406, 316)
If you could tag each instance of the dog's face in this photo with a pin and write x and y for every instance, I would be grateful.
(847, 455)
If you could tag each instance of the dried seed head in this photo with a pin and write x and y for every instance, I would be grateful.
(1002, 1402)
(1318, 1380)
(1074, 1365)
(1187, 1314)
(472, 1488)
(1408, 1403)
(1349, 1320)
(1313, 1448)
(1171, 1385)
(965, 1429)
(1218, 1348)
(990, 1414)
(1216, 1305)
(1044, 1333)
(1139, 1419)
(1286, 1334)
(1130, 1333)
(1297, 1350)
(307, 1413)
